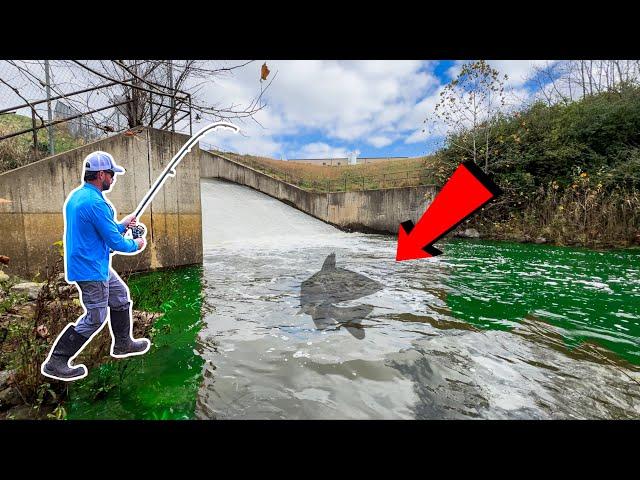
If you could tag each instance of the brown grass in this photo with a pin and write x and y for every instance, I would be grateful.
(28, 329)
(387, 174)
(18, 151)
(582, 215)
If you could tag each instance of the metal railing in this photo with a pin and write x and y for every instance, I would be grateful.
(349, 181)
(406, 178)
(179, 103)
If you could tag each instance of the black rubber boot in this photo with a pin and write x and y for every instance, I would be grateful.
(69, 343)
(123, 344)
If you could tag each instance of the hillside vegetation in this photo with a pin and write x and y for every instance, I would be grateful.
(384, 174)
(570, 173)
(18, 151)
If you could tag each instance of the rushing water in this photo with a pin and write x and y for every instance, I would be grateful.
(299, 320)
(487, 330)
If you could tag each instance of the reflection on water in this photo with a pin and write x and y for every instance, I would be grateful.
(331, 285)
(487, 330)
(304, 321)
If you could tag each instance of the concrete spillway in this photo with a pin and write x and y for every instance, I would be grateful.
(32, 221)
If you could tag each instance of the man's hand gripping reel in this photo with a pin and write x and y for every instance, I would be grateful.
(138, 231)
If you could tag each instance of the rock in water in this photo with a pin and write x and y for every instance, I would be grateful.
(467, 233)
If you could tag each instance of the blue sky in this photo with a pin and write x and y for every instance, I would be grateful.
(318, 108)
(326, 108)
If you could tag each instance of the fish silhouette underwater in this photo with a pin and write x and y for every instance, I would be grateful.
(331, 285)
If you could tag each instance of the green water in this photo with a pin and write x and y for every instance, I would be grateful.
(589, 296)
(586, 296)
(163, 383)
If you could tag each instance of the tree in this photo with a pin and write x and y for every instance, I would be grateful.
(155, 89)
(468, 107)
(569, 80)
(172, 84)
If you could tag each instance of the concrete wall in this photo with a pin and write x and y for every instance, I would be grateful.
(368, 210)
(31, 217)
(33, 220)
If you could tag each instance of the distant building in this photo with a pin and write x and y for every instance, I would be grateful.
(341, 161)
(78, 127)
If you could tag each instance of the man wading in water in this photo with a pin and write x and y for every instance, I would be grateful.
(89, 232)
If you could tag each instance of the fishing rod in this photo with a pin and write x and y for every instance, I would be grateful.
(170, 171)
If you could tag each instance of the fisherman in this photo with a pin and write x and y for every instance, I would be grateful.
(90, 231)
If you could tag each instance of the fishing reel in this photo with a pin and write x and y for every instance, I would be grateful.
(138, 231)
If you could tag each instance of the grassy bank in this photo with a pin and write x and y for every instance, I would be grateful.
(28, 328)
(18, 151)
(387, 174)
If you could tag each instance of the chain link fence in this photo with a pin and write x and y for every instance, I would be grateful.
(410, 172)
(51, 106)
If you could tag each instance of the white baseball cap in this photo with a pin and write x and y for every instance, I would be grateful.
(96, 161)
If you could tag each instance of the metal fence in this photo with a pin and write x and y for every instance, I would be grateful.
(87, 113)
(355, 182)
(79, 126)
(349, 180)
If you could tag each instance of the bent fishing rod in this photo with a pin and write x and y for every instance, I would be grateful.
(170, 171)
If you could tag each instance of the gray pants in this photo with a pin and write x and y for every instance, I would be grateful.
(96, 297)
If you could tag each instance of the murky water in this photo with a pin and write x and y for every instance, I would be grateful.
(291, 318)
(163, 383)
(487, 330)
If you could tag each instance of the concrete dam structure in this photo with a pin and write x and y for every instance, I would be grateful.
(367, 211)
(34, 195)
(32, 222)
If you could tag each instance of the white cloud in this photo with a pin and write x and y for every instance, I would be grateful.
(516, 97)
(379, 141)
(327, 103)
(517, 71)
(319, 150)
(422, 117)
(343, 100)
(262, 146)
(417, 136)
(421, 110)
(454, 70)
(241, 143)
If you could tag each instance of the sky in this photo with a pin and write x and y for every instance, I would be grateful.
(317, 108)
(325, 108)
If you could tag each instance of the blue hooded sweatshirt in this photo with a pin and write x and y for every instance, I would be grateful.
(90, 231)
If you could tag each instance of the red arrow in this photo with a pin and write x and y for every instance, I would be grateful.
(466, 191)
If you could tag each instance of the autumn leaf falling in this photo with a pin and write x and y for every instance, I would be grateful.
(264, 71)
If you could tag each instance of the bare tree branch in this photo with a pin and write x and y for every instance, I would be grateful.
(17, 92)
